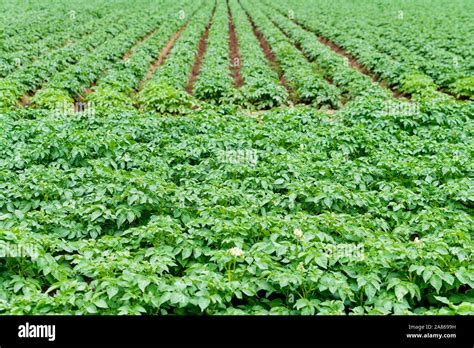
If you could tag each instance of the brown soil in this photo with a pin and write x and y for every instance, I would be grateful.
(452, 94)
(234, 51)
(88, 90)
(267, 51)
(199, 55)
(163, 54)
(25, 100)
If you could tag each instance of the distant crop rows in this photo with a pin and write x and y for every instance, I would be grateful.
(412, 52)
(279, 53)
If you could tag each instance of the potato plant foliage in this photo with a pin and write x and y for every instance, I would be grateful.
(315, 185)
(133, 213)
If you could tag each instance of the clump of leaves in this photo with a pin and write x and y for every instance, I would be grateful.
(51, 98)
(109, 97)
(464, 87)
(417, 84)
(163, 98)
(8, 92)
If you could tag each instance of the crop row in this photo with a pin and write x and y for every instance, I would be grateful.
(303, 77)
(30, 77)
(395, 63)
(72, 82)
(30, 23)
(54, 32)
(261, 87)
(444, 67)
(166, 89)
(117, 89)
(214, 83)
(334, 67)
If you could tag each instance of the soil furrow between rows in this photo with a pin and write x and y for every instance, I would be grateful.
(268, 52)
(235, 59)
(199, 55)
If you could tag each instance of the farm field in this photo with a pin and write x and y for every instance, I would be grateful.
(231, 157)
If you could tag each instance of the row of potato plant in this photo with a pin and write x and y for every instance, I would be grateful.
(30, 77)
(334, 67)
(261, 87)
(401, 67)
(119, 87)
(303, 77)
(215, 83)
(165, 91)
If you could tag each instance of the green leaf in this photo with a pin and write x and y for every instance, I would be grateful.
(143, 283)
(187, 253)
(448, 278)
(465, 308)
(400, 291)
(370, 291)
(392, 282)
(96, 214)
(90, 308)
(436, 282)
(361, 282)
(262, 264)
(101, 303)
(178, 298)
(442, 299)
(321, 261)
(163, 298)
(112, 291)
(130, 216)
(17, 287)
(427, 275)
(203, 303)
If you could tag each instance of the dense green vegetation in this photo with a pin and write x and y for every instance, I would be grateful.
(310, 187)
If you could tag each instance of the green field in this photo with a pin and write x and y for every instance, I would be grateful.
(286, 157)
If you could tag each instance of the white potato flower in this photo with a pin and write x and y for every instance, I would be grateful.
(236, 252)
(301, 267)
(298, 233)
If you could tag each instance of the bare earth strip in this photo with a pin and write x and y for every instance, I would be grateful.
(163, 54)
(234, 51)
(268, 52)
(199, 55)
